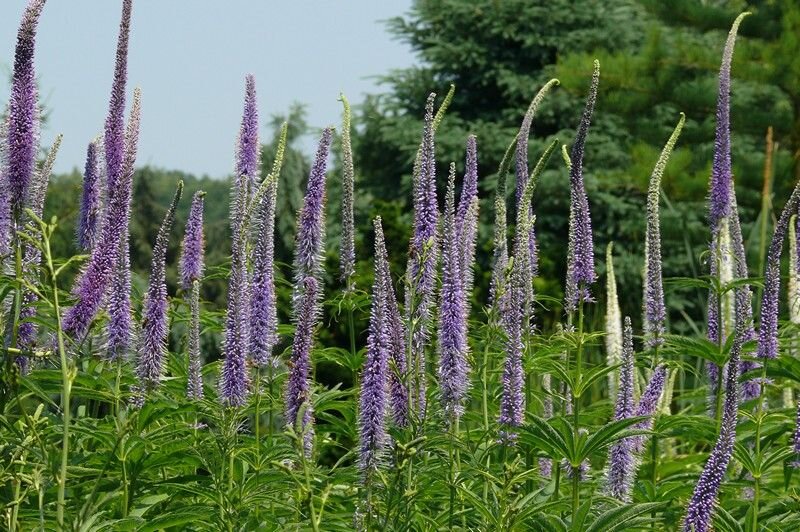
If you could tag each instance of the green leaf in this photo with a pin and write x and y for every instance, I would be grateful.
(619, 518)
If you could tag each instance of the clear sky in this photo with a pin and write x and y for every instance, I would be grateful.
(190, 58)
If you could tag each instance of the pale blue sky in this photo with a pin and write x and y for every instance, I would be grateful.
(190, 58)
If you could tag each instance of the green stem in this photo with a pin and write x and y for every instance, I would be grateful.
(453, 472)
(576, 411)
(654, 449)
(757, 473)
(257, 423)
(351, 326)
(66, 377)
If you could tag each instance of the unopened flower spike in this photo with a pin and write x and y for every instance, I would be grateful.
(522, 163)
(654, 308)
(347, 254)
(613, 321)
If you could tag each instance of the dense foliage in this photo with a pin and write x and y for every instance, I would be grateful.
(200, 382)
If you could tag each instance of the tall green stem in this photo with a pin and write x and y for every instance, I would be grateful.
(67, 376)
(576, 411)
(757, 473)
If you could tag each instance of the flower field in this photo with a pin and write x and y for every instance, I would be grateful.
(463, 412)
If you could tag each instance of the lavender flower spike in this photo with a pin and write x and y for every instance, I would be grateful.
(235, 382)
(119, 302)
(580, 259)
(701, 506)
(192, 248)
(115, 126)
(191, 270)
(466, 218)
(91, 286)
(621, 460)
(372, 396)
(23, 112)
(423, 257)
(90, 200)
(751, 388)
(613, 321)
(721, 174)
(248, 156)
(153, 348)
(299, 408)
(263, 310)
(768, 330)
(515, 307)
(311, 220)
(796, 439)
(347, 253)
(398, 388)
(654, 309)
(648, 405)
(453, 346)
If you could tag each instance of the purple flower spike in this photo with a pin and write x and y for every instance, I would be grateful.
(466, 218)
(721, 174)
(701, 506)
(580, 259)
(91, 286)
(348, 247)
(119, 304)
(235, 381)
(514, 306)
(621, 460)
(23, 112)
(522, 164)
(153, 343)
(398, 366)
(263, 310)
(192, 249)
(299, 407)
(453, 346)
(768, 330)
(750, 388)
(796, 438)
(423, 257)
(115, 126)
(191, 270)
(248, 157)
(311, 220)
(372, 397)
(648, 405)
(654, 309)
(91, 201)
(115, 121)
